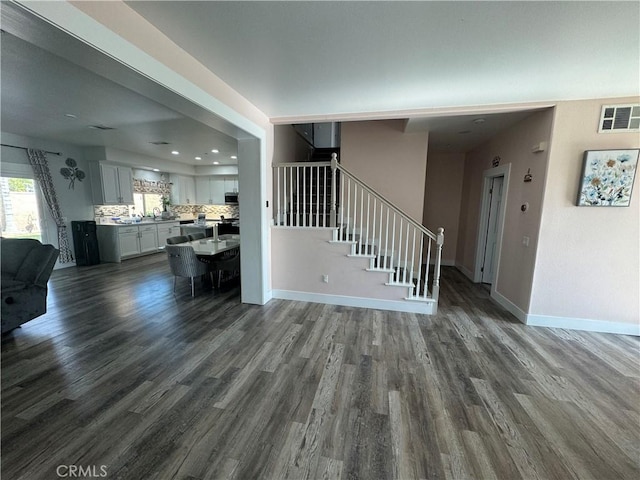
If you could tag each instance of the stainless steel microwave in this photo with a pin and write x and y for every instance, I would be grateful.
(231, 198)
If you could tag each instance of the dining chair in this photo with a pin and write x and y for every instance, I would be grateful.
(196, 236)
(229, 263)
(177, 239)
(184, 263)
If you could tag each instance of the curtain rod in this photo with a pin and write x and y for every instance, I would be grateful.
(25, 148)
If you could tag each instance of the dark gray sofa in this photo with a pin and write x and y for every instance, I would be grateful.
(26, 267)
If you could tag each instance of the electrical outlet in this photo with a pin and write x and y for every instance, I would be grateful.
(325, 278)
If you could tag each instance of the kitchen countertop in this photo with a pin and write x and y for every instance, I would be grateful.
(144, 222)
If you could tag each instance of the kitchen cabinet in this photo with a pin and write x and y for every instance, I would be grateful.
(230, 184)
(166, 230)
(112, 184)
(210, 189)
(148, 238)
(183, 190)
(118, 242)
(128, 241)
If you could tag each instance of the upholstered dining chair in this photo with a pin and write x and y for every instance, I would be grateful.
(177, 239)
(196, 236)
(229, 263)
(184, 263)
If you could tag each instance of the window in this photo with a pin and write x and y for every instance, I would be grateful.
(145, 203)
(19, 208)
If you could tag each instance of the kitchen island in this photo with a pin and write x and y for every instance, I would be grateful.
(120, 241)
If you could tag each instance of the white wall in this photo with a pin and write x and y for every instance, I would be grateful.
(516, 263)
(76, 203)
(442, 196)
(390, 161)
(587, 270)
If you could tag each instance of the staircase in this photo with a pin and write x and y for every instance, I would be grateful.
(325, 194)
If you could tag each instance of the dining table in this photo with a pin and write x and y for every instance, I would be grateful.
(208, 247)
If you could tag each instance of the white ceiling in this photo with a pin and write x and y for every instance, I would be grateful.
(325, 60)
(39, 89)
(296, 59)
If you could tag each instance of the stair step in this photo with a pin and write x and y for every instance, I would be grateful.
(398, 284)
(420, 299)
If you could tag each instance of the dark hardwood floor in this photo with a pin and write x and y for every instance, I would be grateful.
(123, 378)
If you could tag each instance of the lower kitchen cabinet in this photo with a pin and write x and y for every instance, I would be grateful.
(119, 242)
(166, 230)
(148, 238)
(128, 242)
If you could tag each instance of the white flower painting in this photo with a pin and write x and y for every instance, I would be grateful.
(607, 178)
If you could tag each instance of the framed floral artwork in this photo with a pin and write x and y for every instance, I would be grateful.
(607, 178)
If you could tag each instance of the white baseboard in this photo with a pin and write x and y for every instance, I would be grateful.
(584, 324)
(465, 271)
(393, 305)
(570, 323)
(509, 306)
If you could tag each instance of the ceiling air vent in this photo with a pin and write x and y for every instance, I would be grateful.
(620, 118)
(159, 143)
(101, 127)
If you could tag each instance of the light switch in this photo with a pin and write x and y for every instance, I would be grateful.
(525, 241)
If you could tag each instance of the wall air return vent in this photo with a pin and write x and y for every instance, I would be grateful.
(619, 118)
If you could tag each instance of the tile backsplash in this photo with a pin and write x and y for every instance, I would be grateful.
(111, 210)
(184, 211)
(212, 211)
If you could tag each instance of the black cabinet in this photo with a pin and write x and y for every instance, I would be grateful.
(85, 242)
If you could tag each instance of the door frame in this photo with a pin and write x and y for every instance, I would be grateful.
(488, 176)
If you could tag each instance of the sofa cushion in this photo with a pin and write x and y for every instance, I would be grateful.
(37, 265)
(11, 285)
(14, 251)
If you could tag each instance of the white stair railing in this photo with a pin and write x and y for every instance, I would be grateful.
(325, 194)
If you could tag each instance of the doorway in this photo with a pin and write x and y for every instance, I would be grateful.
(491, 229)
(491, 225)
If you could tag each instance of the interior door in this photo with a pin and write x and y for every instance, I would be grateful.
(491, 237)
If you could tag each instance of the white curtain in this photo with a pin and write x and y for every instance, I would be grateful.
(40, 166)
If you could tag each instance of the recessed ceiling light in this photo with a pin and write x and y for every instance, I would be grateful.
(233, 157)
(175, 152)
(160, 143)
(216, 163)
(198, 158)
(477, 121)
(156, 169)
(214, 150)
(70, 115)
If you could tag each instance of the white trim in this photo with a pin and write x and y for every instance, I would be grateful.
(500, 171)
(465, 271)
(393, 305)
(509, 306)
(584, 324)
(569, 323)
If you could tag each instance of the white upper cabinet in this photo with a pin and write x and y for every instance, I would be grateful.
(203, 190)
(112, 184)
(183, 190)
(210, 189)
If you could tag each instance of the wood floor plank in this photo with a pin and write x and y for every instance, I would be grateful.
(123, 373)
